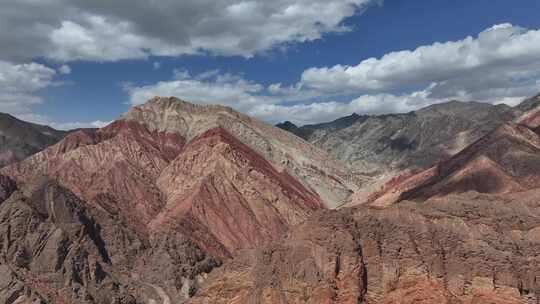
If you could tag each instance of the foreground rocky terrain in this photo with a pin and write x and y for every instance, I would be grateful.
(463, 248)
(320, 261)
(20, 139)
(179, 203)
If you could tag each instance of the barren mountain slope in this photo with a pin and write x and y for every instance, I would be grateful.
(416, 140)
(148, 208)
(52, 252)
(461, 248)
(531, 109)
(219, 183)
(20, 139)
(114, 167)
(470, 236)
(529, 104)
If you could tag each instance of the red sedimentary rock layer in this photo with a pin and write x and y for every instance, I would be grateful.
(215, 188)
(505, 161)
(223, 185)
(114, 168)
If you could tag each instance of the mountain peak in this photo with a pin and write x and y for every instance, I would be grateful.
(287, 126)
(174, 115)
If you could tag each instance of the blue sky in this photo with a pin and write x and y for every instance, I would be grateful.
(320, 65)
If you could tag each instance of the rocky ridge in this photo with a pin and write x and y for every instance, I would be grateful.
(320, 261)
(464, 231)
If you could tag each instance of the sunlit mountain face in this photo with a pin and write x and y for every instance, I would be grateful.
(353, 151)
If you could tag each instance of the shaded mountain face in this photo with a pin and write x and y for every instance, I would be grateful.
(506, 160)
(57, 248)
(52, 250)
(413, 141)
(310, 132)
(176, 189)
(20, 139)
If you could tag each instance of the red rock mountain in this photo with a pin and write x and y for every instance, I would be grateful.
(467, 248)
(465, 231)
(505, 161)
(168, 158)
(531, 117)
(180, 203)
(170, 174)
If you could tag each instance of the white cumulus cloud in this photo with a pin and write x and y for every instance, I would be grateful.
(273, 103)
(45, 120)
(502, 61)
(64, 69)
(97, 30)
(500, 65)
(20, 83)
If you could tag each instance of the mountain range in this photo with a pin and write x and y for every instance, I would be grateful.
(414, 141)
(182, 203)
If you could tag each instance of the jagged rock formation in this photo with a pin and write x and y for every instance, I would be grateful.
(320, 261)
(20, 139)
(416, 140)
(461, 248)
(464, 248)
(51, 251)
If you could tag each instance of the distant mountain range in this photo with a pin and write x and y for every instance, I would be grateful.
(182, 203)
(414, 140)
